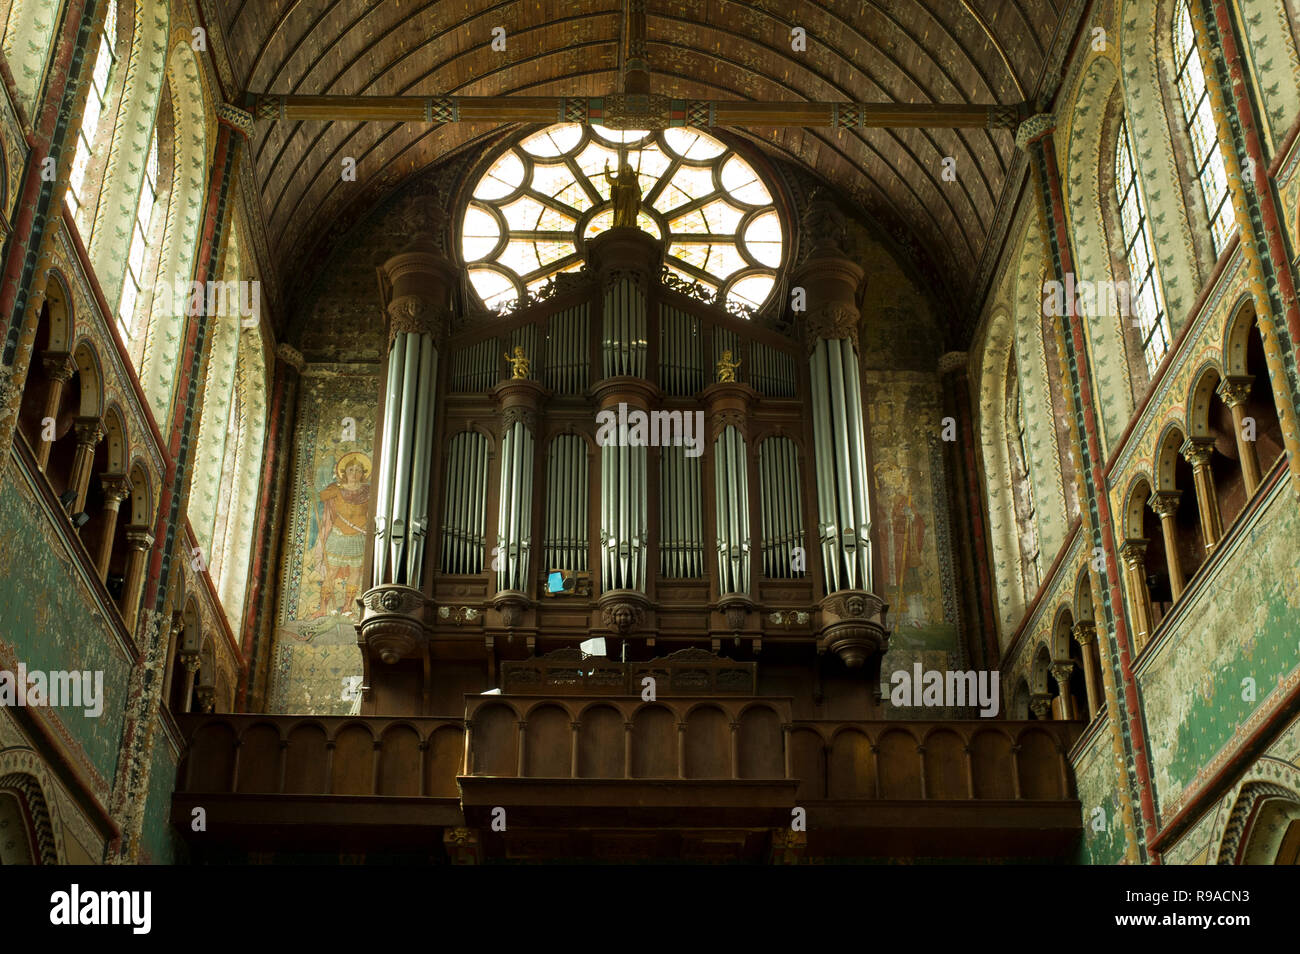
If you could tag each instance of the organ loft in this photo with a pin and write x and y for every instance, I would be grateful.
(662, 431)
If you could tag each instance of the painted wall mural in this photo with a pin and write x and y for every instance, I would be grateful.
(1232, 659)
(1103, 827)
(316, 657)
(911, 520)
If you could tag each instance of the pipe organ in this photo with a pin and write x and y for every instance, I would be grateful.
(613, 448)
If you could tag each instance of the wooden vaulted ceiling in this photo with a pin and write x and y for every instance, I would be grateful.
(908, 51)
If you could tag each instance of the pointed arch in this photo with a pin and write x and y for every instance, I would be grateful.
(1112, 379)
(167, 299)
(142, 59)
(1141, 47)
(27, 36)
(1037, 406)
(1269, 781)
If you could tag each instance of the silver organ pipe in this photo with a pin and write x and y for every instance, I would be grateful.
(681, 371)
(731, 486)
(773, 374)
(409, 401)
(566, 504)
(843, 501)
(387, 449)
(475, 368)
(623, 339)
(418, 506)
(463, 516)
(567, 358)
(514, 521)
(778, 465)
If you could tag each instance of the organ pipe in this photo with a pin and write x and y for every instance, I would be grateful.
(731, 492)
(384, 495)
(463, 516)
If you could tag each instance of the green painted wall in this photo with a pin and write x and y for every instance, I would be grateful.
(1103, 831)
(50, 620)
(1237, 634)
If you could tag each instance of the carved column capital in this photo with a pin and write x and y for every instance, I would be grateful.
(1165, 502)
(190, 660)
(413, 313)
(58, 365)
(1041, 704)
(116, 487)
(291, 356)
(953, 362)
(1235, 389)
(1084, 632)
(1133, 551)
(1197, 450)
(832, 320)
(1034, 128)
(139, 538)
(1061, 670)
(90, 431)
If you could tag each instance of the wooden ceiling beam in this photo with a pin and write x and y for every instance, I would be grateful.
(632, 111)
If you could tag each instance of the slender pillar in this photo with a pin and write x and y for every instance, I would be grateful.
(1235, 392)
(1085, 634)
(139, 542)
(117, 487)
(59, 367)
(1196, 451)
(1061, 671)
(90, 431)
(970, 531)
(1133, 553)
(1165, 505)
(190, 659)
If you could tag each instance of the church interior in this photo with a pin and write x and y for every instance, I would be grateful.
(650, 430)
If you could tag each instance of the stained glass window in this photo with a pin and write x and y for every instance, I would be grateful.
(1195, 100)
(1146, 295)
(138, 249)
(539, 202)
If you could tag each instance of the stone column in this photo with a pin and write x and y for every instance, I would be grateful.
(139, 541)
(1061, 670)
(971, 532)
(1235, 391)
(190, 660)
(1133, 553)
(117, 487)
(59, 367)
(90, 431)
(1085, 634)
(1196, 451)
(1165, 505)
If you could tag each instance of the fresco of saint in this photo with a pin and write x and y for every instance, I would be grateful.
(343, 516)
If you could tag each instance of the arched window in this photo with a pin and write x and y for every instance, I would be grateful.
(1145, 292)
(545, 196)
(1195, 99)
(138, 253)
(101, 74)
(1022, 488)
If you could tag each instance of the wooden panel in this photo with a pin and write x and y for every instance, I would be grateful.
(654, 743)
(304, 760)
(549, 744)
(1040, 767)
(259, 759)
(399, 761)
(899, 765)
(708, 744)
(761, 746)
(945, 766)
(354, 762)
(443, 761)
(495, 741)
(212, 758)
(991, 764)
(601, 743)
(852, 766)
